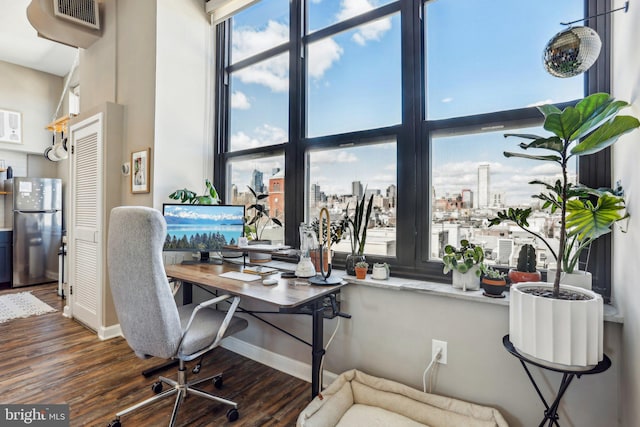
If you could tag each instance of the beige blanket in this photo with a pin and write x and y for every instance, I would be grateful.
(357, 399)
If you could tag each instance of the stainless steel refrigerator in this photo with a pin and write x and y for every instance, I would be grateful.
(34, 208)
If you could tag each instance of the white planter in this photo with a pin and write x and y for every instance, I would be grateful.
(562, 332)
(468, 281)
(579, 278)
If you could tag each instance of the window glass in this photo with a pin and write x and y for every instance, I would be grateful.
(323, 13)
(258, 28)
(472, 181)
(354, 80)
(259, 114)
(470, 70)
(337, 178)
(265, 175)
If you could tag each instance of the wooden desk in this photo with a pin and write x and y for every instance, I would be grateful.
(289, 298)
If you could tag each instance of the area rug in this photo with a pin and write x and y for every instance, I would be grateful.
(23, 304)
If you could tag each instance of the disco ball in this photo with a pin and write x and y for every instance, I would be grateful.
(572, 51)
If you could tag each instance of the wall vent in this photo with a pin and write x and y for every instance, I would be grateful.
(83, 12)
(66, 21)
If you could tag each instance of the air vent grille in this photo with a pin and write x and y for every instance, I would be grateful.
(83, 12)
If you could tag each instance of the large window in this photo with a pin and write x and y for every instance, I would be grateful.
(406, 100)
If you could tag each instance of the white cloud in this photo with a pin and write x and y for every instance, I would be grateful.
(372, 31)
(249, 41)
(322, 55)
(264, 135)
(273, 73)
(446, 100)
(240, 101)
(333, 156)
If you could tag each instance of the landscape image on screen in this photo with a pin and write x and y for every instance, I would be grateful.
(202, 227)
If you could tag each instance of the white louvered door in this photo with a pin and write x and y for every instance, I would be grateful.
(85, 225)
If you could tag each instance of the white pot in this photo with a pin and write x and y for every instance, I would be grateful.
(468, 281)
(562, 332)
(579, 278)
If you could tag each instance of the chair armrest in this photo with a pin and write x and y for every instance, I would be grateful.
(225, 322)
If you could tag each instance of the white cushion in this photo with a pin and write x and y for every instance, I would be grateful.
(381, 399)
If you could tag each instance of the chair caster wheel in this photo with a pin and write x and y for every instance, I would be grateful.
(196, 369)
(156, 387)
(116, 423)
(217, 382)
(232, 415)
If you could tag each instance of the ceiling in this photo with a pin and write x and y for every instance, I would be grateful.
(20, 44)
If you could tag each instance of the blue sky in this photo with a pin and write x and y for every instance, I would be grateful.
(354, 84)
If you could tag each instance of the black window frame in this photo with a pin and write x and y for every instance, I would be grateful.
(412, 135)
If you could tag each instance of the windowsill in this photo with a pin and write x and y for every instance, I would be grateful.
(611, 313)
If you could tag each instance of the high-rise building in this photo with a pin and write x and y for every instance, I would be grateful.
(483, 186)
(315, 195)
(257, 181)
(356, 189)
(467, 198)
(392, 192)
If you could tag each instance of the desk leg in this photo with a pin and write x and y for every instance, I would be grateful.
(317, 347)
(187, 293)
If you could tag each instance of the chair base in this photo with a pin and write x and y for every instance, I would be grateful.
(181, 388)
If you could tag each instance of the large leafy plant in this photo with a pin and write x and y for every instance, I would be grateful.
(210, 196)
(588, 127)
(258, 222)
(358, 224)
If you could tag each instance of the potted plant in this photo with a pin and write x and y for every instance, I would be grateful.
(336, 231)
(536, 309)
(525, 270)
(380, 270)
(210, 196)
(361, 269)
(358, 224)
(493, 282)
(466, 263)
(256, 224)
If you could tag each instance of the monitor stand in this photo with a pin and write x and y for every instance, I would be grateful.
(204, 259)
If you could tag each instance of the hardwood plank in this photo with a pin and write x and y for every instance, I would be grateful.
(49, 359)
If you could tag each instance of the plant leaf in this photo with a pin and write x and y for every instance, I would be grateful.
(594, 110)
(552, 143)
(549, 158)
(548, 109)
(606, 135)
(563, 124)
(588, 222)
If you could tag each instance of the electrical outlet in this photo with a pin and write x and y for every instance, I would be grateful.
(435, 346)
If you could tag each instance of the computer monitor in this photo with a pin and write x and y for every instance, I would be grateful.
(202, 228)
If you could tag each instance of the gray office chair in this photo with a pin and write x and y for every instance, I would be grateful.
(151, 322)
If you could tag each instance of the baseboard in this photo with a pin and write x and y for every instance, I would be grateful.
(277, 361)
(109, 332)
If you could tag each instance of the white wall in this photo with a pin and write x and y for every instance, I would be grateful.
(183, 155)
(390, 336)
(626, 269)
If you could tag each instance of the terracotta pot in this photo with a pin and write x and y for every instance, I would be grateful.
(361, 272)
(494, 287)
(314, 254)
(524, 276)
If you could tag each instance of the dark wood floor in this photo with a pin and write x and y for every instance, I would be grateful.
(50, 359)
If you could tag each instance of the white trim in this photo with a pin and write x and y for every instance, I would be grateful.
(109, 332)
(277, 361)
(224, 9)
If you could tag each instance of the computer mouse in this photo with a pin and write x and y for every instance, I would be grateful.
(268, 282)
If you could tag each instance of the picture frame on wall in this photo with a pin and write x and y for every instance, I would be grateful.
(140, 171)
(10, 126)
